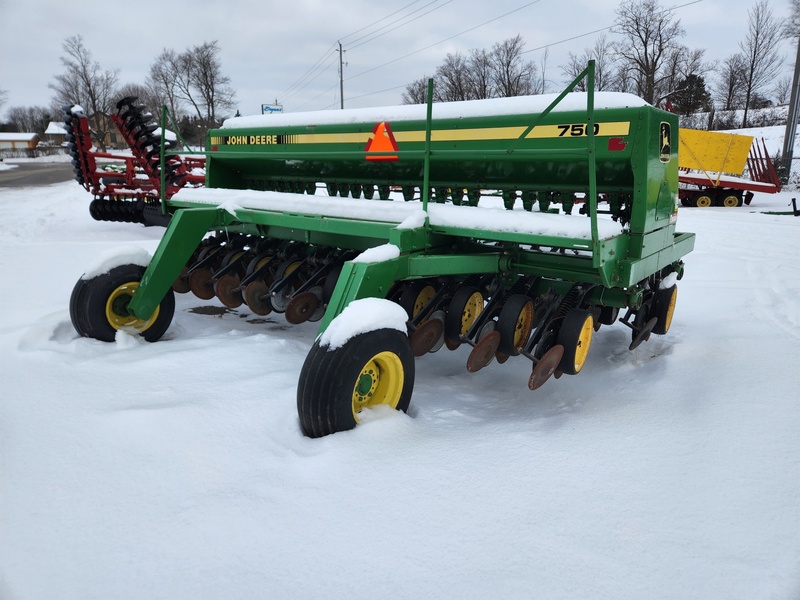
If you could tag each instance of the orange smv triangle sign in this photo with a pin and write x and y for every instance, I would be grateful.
(382, 140)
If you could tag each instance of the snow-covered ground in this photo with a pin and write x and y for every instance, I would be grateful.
(178, 470)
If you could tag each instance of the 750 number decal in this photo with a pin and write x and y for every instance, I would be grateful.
(576, 130)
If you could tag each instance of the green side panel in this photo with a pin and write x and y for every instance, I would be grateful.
(184, 233)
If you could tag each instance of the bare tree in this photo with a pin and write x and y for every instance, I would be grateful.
(782, 90)
(511, 74)
(479, 74)
(165, 79)
(730, 82)
(760, 52)
(681, 65)
(452, 79)
(602, 55)
(193, 79)
(649, 34)
(416, 92)
(3, 97)
(213, 90)
(85, 83)
(791, 28)
(30, 119)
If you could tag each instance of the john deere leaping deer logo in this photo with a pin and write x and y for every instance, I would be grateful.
(665, 153)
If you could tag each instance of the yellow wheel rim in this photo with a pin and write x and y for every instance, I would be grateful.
(730, 201)
(471, 311)
(380, 382)
(423, 298)
(704, 201)
(117, 313)
(670, 309)
(583, 343)
(522, 329)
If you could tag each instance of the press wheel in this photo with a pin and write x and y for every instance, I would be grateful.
(575, 335)
(415, 296)
(515, 324)
(464, 309)
(664, 308)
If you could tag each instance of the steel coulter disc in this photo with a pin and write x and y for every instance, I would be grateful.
(301, 307)
(256, 296)
(181, 283)
(200, 282)
(546, 367)
(438, 315)
(483, 352)
(228, 291)
(644, 334)
(426, 336)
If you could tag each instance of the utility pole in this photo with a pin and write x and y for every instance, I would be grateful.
(341, 76)
(791, 121)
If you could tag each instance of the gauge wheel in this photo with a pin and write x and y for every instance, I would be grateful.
(415, 296)
(575, 335)
(664, 308)
(515, 324)
(100, 306)
(371, 369)
(464, 309)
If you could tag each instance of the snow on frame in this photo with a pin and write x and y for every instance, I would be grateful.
(405, 213)
(363, 316)
(378, 254)
(575, 101)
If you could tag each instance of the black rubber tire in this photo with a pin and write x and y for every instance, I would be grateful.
(328, 379)
(453, 320)
(90, 305)
(507, 323)
(663, 309)
(76, 306)
(571, 335)
(411, 296)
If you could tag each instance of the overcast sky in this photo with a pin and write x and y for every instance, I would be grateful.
(268, 46)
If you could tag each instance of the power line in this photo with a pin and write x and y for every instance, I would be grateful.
(602, 29)
(310, 69)
(444, 40)
(381, 19)
(375, 34)
(315, 68)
